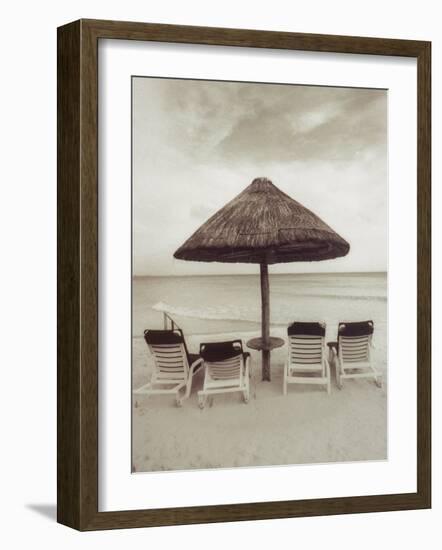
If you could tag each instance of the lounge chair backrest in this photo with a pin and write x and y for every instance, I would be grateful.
(306, 343)
(354, 340)
(224, 360)
(169, 352)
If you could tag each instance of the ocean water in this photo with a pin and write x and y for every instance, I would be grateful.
(232, 303)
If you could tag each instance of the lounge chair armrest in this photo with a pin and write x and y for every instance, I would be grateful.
(196, 364)
(247, 368)
(332, 347)
(286, 365)
(193, 366)
(333, 356)
(246, 362)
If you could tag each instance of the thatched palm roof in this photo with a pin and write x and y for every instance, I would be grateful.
(263, 224)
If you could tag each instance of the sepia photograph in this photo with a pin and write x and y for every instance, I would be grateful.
(259, 274)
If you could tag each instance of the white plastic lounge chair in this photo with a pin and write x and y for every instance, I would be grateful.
(174, 366)
(227, 369)
(353, 357)
(306, 361)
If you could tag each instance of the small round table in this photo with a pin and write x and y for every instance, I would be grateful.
(258, 344)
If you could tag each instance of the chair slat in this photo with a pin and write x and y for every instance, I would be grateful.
(227, 363)
(354, 344)
(353, 339)
(166, 351)
(302, 351)
(305, 349)
(178, 361)
(170, 360)
(225, 370)
(354, 349)
(224, 376)
(306, 361)
(309, 342)
(177, 373)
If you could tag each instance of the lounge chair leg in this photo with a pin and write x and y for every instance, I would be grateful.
(179, 400)
(246, 395)
(188, 390)
(201, 401)
(327, 373)
(338, 378)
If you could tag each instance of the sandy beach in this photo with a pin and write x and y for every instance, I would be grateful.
(306, 426)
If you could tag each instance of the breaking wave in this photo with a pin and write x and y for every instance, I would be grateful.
(281, 313)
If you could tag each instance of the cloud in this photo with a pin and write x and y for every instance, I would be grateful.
(233, 122)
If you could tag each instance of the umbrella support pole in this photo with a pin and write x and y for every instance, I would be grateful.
(265, 365)
(265, 321)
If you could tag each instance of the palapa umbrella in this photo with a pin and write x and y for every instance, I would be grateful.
(263, 225)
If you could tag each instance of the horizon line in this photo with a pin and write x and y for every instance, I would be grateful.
(257, 274)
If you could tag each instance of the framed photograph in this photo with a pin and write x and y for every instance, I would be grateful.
(243, 275)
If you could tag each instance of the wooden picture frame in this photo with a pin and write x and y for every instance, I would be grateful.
(77, 459)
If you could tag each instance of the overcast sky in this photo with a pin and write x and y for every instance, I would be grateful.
(197, 144)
